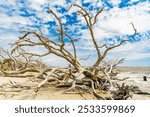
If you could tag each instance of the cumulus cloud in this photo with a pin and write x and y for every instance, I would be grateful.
(134, 51)
(112, 22)
(115, 2)
(37, 4)
(8, 36)
(117, 21)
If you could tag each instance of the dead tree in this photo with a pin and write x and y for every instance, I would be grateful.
(18, 63)
(82, 77)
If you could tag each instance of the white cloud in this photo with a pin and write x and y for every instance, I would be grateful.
(115, 2)
(132, 1)
(138, 56)
(9, 36)
(114, 22)
(54, 60)
(134, 51)
(12, 22)
(9, 2)
(41, 2)
(117, 21)
(87, 1)
(58, 3)
(37, 4)
(139, 46)
(45, 30)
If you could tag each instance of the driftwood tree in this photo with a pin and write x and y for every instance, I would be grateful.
(18, 63)
(80, 77)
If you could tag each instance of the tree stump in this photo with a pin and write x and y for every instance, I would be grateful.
(144, 78)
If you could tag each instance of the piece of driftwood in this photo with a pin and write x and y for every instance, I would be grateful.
(123, 92)
(144, 78)
(46, 79)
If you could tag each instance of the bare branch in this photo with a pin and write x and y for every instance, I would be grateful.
(88, 20)
(112, 47)
(46, 79)
(74, 48)
(95, 17)
(61, 28)
(9, 73)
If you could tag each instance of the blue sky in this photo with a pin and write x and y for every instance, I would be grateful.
(112, 26)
